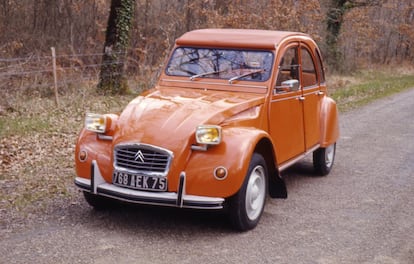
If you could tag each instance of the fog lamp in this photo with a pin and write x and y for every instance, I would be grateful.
(208, 134)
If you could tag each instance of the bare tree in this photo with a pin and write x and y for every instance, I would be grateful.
(351, 33)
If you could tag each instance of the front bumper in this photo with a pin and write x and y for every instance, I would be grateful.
(98, 186)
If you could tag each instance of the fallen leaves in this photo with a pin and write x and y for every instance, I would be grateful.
(34, 167)
(37, 153)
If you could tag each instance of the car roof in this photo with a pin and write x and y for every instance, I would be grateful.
(243, 38)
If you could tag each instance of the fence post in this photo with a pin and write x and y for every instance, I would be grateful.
(55, 75)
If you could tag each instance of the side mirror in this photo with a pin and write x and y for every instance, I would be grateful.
(292, 84)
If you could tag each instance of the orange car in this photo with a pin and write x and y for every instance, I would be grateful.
(231, 110)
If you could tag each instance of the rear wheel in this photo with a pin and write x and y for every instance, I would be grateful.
(246, 207)
(323, 159)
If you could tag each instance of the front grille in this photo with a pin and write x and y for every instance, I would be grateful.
(142, 158)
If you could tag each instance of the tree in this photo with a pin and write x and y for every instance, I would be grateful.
(112, 79)
(335, 20)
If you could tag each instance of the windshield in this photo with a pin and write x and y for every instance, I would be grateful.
(226, 64)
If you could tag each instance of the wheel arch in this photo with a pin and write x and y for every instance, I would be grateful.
(329, 122)
(276, 185)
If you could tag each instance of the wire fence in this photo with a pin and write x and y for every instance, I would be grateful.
(36, 74)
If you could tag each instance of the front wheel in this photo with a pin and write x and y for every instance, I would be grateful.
(99, 203)
(323, 159)
(246, 207)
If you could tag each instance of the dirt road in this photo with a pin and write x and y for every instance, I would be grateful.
(363, 212)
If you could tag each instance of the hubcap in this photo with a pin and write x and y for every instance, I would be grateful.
(255, 193)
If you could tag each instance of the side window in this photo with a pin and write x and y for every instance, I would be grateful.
(308, 69)
(288, 68)
(321, 71)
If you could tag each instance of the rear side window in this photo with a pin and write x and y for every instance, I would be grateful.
(321, 71)
(308, 69)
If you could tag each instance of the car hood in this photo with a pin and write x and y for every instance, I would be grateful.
(168, 117)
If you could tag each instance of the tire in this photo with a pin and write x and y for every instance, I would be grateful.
(246, 207)
(323, 159)
(97, 202)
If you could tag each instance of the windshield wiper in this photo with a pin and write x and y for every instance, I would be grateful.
(244, 75)
(205, 74)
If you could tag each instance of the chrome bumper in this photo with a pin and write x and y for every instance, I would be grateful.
(97, 185)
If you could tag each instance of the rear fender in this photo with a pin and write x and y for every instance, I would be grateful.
(329, 122)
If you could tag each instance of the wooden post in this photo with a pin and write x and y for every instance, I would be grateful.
(55, 76)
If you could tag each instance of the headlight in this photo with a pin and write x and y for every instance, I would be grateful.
(208, 134)
(96, 123)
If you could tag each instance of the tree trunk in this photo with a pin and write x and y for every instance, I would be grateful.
(112, 79)
(334, 23)
(334, 20)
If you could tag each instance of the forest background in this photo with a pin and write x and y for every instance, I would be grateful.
(352, 34)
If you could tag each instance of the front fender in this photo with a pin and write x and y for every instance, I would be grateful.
(233, 153)
(329, 122)
(96, 149)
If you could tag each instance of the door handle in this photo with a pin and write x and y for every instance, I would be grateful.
(320, 93)
(301, 98)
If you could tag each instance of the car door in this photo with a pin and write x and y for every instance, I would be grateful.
(312, 97)
(286, 123)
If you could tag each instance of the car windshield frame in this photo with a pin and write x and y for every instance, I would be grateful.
(221, 63)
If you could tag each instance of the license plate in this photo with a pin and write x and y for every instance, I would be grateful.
(139, 182)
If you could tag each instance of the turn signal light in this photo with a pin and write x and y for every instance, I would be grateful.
(220, 173)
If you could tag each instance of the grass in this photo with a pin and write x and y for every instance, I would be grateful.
(40, 115)
(23, 126)
(364, 87)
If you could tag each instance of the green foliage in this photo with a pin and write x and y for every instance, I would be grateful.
(123, 23)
